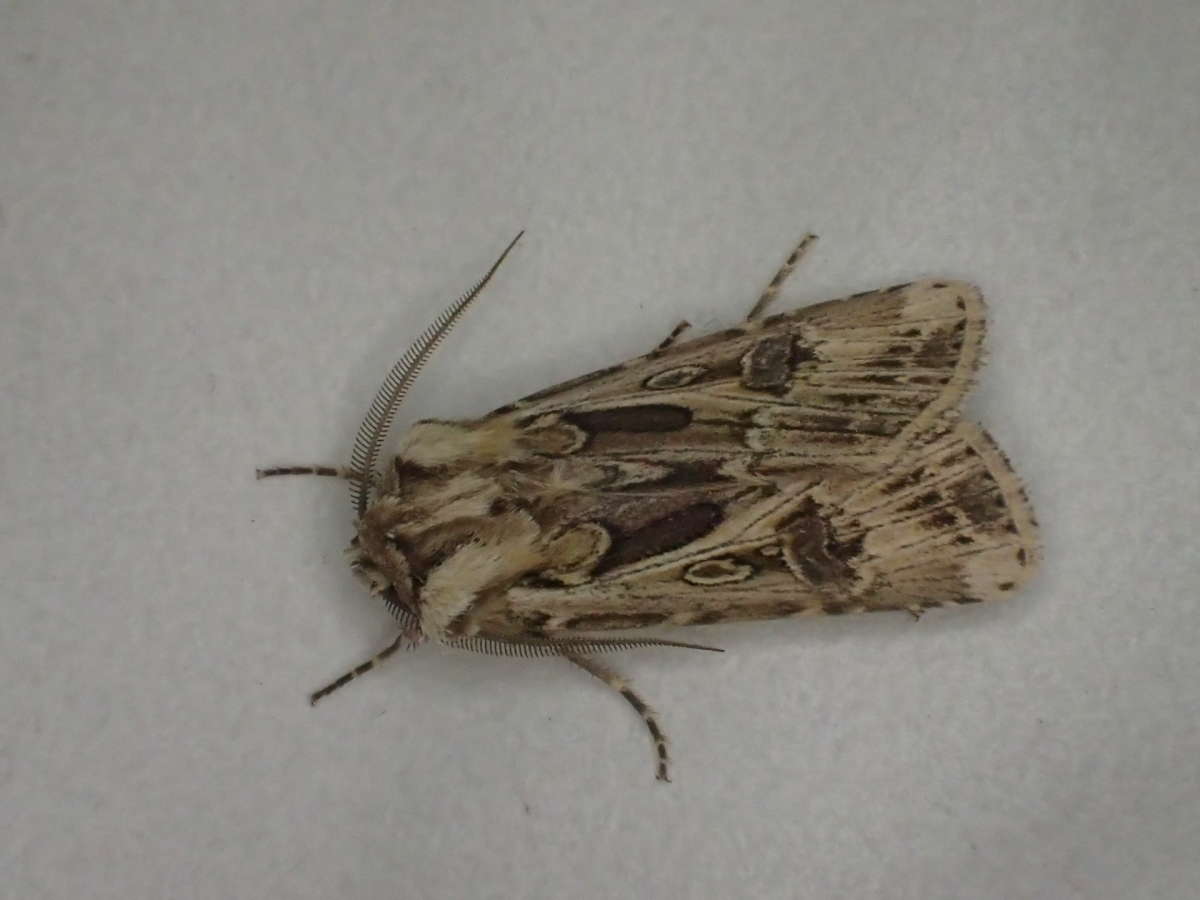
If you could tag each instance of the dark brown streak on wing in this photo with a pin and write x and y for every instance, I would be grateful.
(604, 621)
(660, 536)
(649, 417)
(813, 548)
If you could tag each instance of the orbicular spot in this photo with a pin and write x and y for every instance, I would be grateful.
(646, 417)
(718, 571)
(548, 435)
(674, 378)
(574, 553)
(767, 366)
(770, 550)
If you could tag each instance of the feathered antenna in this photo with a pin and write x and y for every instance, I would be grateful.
(374, 429)
(530, 648)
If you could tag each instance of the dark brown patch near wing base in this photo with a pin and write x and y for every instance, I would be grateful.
(650, 417)
(668, 533)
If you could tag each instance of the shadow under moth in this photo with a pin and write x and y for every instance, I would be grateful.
(806, 462)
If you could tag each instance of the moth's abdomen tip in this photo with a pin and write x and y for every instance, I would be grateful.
(259, 474)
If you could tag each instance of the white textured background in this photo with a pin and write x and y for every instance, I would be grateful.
(221, 221)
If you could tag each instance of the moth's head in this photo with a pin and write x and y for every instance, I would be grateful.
(379, 563)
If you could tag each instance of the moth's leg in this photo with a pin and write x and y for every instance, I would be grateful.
(618, 684)
(360, 669)
(328, 471)
(679, 329)
(781, 276)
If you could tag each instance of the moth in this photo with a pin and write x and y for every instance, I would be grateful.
(801, 463)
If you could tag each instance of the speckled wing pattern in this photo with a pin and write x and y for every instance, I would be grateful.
(807, 462)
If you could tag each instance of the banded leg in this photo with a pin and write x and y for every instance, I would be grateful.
(618, 684)
(327, 471)
(360, 669)
(781, 276)
(673, 336)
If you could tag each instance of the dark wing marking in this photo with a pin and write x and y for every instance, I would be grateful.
(844, 383)
(949, 525)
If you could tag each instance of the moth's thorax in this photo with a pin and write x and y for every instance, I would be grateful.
(447, 535)
(500, 440)
(435, 444)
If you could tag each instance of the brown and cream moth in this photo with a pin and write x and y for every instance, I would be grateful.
(805, 462)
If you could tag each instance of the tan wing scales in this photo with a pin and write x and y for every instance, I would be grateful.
(951, 525)
(847, 383)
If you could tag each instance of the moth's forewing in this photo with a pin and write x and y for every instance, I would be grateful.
(807, 462)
